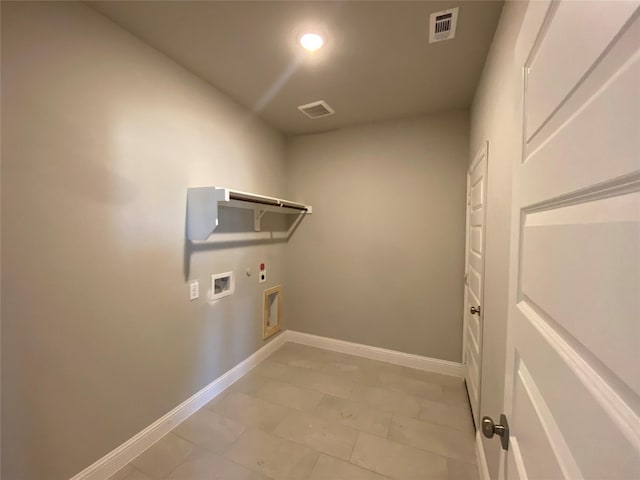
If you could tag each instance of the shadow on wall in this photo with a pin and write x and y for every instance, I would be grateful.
(236, 229)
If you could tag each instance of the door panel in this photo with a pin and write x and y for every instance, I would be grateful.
(473, 377)
(475, 283)
(474, 334)
(477, 193)
(579, 34)
(538, 428)
(599, 274)
(476, 241)
(584, 129)
(572, 391)
(588, 413)
(515, 465)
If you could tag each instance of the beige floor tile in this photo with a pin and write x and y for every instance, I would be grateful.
(387, 399)
(433, 438)
(413, 387)
(210, 430)
(320, 354)
(396, 460)
(295, 355)
(423, 375)
(135, 474)
(454, 416)
(461, 470)
(164, 456)
(347, 369)
(271, 369)
(306, 363)
(364, 362)
(320, 434)
(455, 395)
(289, 395)
(250, 383)
(329, 468)
(210, 466)
(250, 411)
(321, 382)
(354, 414)
(432, 377)
(272, 456)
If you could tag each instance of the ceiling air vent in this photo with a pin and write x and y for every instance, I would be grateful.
(316, 109)
(442, 25)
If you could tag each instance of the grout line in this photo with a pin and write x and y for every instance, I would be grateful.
(129, 475)
(196, 451)
(353, 447)
(315, 464)
(445, 455)
(312, 448)
(224, 454)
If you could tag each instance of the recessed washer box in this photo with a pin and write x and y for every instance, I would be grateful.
(222, 284)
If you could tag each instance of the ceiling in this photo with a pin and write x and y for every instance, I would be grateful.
(377, 62)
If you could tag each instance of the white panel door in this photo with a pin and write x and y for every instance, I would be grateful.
(474, 278)
(572, 391)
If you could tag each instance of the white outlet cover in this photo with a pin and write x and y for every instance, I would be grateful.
(194, 290)
(263, 276)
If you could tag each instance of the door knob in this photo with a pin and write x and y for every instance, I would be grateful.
(475, 310)
(489, 429)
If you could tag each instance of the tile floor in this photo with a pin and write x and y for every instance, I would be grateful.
(307, 413)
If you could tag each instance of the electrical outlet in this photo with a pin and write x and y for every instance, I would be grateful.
(194, 290)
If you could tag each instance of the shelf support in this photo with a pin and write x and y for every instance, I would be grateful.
(257, 217)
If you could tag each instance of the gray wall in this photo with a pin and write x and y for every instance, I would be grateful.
(496, 116)
(101, 135)
(381, 260)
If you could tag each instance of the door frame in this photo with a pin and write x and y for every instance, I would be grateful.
(483, 152)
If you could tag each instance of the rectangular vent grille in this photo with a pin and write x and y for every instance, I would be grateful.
(316, 109)
(442, 25)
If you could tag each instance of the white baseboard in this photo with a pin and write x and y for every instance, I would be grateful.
(376, 353)
(125, 453)
(483, 469)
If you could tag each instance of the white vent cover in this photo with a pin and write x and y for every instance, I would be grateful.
(442, 25)
(316, 109)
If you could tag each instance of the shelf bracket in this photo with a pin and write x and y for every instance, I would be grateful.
(257, 217)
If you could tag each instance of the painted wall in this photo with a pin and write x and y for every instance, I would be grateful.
(495, 116)
(381, 260)
(101, 136)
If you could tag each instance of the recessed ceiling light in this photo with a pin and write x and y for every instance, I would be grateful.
(311, 41)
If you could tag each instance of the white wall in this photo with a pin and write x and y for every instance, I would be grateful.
(381, 260)
(101, 136)
(495, 116)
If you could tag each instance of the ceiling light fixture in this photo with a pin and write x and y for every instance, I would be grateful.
(311, 41)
